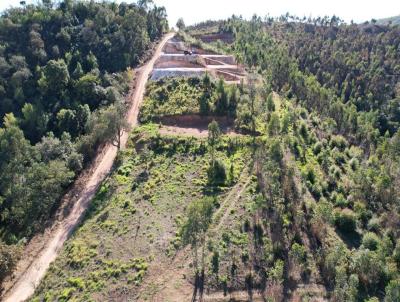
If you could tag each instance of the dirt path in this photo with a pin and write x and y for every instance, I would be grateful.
(27, 280)
(229, 203)
(196, 132)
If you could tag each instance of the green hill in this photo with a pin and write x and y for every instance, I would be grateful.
(393, 20)
(280, 187)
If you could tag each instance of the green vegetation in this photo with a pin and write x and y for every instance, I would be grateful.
(326, 156)
(181, 96)
(61, 96)
(304, 207)
(137, 217)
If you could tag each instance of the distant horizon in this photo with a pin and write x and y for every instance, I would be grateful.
(194, 12)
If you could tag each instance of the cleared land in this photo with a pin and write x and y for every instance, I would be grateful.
(173, 62)
(129, 244)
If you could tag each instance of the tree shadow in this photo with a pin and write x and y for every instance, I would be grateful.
(351, 239)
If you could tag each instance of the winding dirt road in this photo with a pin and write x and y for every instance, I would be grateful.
(29, 278)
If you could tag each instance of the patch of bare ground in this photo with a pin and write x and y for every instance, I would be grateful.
(196, 132)
(177, 64)
(223, 66)
(236, 296)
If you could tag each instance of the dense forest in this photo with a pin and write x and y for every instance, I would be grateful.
(338, 136)
(64, 71)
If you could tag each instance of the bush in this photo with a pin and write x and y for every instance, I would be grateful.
(374, 224)
(309, 174)
(341, 201)
(275, 150)
(9, 255)
(299, 253)
(217, 174)
(338, 142)
(354, 164)
(370, 241)
(396, 252)
(317, 148)
(393, 291)
(345, 220)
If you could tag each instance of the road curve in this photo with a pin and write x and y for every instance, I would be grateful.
(25, 285)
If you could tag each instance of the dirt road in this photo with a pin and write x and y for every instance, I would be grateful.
(27, 280)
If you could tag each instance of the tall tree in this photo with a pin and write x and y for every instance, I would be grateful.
(180, 24)
(214, 134)
(199, 217)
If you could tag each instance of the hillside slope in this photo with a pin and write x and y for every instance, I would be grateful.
(31, 275)
(393, 20)
(281, 187)
(62, 99)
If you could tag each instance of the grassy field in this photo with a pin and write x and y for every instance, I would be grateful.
(134, 220)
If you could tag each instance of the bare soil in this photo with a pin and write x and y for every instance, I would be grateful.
(223, 66)
(196, 132)
(177, 64)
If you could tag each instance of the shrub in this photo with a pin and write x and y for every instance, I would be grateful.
(309, 174)
(275, 150)
(370, 241)
(338, 142)
(66, 294)
(76, 282)
(215, 262)
(396, 252)
(363, 214)
(304, 131)
(317, 148)
(345, 220)
(373, 224)
(354, 163)
(276, 273)
(299, 253)
(217, 174)
(341, 201)
(9, 255)
(393, 291)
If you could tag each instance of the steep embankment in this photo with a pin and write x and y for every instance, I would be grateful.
(28, 275)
